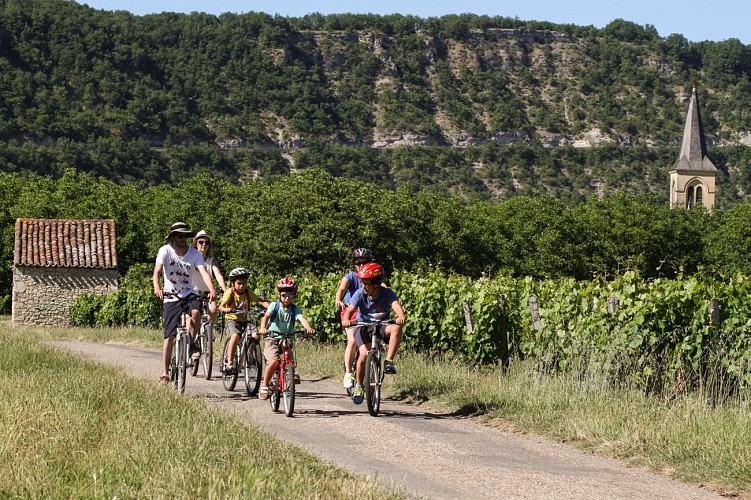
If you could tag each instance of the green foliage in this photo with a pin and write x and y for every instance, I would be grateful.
(133, 304)
(155, 99)
(84, 309)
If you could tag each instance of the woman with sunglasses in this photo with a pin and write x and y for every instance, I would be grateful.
(204, 244)
(347, 288)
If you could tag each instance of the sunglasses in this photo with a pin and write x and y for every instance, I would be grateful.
(286, 295)
(202, 242)
(361, 262)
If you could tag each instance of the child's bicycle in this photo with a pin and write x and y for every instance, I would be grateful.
(181, 360)
(205, 340)
(282, 385)
(374, 369)
(248, 358)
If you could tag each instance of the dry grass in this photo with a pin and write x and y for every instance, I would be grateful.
(74, 429)
(685, 438)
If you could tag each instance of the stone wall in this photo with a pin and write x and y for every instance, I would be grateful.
(43, 295)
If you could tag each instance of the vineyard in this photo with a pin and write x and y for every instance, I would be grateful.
(664, 337)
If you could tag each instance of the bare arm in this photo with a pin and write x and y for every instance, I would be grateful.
(397, 307)
(262, 329)
(218, 275)
(155, 281)
(340, 293)
(308, 329)
(348, 314)
(224, 304)
(207, 281)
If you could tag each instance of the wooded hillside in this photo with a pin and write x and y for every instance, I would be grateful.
(486, 107)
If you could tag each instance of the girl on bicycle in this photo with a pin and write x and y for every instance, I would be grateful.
(374, 302)
(279, 319)
(347, 288)
(236, 300)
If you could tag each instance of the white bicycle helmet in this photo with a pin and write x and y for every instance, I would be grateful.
(239, 273)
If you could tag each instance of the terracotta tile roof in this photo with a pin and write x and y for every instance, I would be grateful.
(65, 243)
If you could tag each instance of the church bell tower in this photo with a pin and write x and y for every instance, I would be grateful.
(693, 176)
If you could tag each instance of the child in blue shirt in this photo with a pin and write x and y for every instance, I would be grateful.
(374, 302)
(280, 318)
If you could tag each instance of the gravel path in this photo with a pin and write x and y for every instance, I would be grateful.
(421, 452)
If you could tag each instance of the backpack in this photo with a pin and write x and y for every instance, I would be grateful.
(276, 311)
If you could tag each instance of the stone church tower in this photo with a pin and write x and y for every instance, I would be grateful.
(692, 177)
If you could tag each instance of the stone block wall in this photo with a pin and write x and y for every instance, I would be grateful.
(43, 295)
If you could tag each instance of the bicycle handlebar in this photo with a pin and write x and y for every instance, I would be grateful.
(382, 322)
(188, 297)
(253, 312)
(301, 333)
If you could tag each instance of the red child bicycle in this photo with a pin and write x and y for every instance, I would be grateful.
(282, 385)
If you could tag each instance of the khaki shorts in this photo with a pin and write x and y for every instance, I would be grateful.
(272, 349)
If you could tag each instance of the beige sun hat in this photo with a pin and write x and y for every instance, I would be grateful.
(203, 234)
(179, 228)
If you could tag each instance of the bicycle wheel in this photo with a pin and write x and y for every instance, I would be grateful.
(194, 362)
(173, 369)
(253, 368)
(373, 382)
(274, 395)
(181, 352)
(207, 350)
(229, 377)
(288, 389)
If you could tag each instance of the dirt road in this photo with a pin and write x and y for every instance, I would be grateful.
(422, 453)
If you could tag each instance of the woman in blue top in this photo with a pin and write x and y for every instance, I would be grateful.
(279, 319)
(347, 288)
(374, 302)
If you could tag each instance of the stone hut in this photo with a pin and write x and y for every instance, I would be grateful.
(54, 261)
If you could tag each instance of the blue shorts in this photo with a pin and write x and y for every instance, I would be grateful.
(172, 312)
(364, 335)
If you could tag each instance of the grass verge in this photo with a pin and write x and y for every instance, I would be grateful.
(75, 429)
(685, 439)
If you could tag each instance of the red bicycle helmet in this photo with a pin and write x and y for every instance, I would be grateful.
(362, 253)
(286, 283)
(371, 271)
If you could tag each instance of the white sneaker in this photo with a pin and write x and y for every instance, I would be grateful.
(349, 381)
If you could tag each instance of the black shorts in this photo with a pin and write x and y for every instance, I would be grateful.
(172, 312)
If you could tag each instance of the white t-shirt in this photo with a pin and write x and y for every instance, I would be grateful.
(198, 279)
(178, 271)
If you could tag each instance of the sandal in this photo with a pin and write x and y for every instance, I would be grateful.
(263, 393)
(164, 378)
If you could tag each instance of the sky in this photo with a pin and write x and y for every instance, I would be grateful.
(697, 20)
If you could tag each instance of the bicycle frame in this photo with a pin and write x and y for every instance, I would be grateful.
(283, 381)
(204, 341)
(242, 360)
(374, 365)
(181, 359)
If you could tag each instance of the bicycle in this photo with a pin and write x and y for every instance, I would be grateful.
(374, 364)
(205, 340)
(181, 359)
(248, 357)
(282, 385)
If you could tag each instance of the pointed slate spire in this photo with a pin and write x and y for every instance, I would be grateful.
(694, 147)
